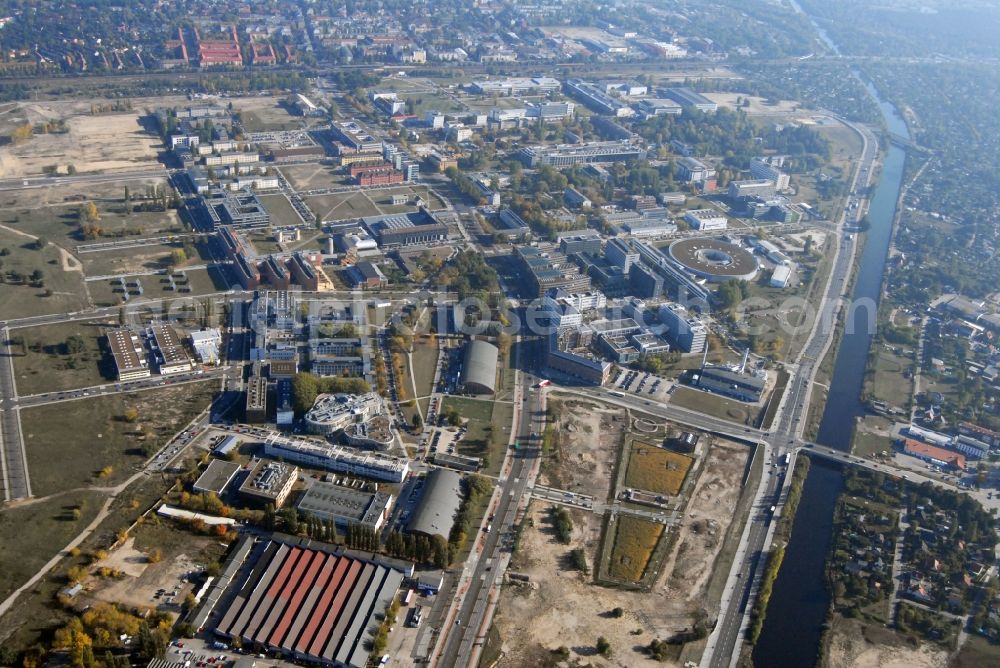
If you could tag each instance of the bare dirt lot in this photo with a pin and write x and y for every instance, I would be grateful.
(103, 142)
(855, 646)
(561, 606)
(590, 436)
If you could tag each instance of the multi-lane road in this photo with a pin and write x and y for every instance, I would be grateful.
(13, 460)
(463, 640)
(724, 645)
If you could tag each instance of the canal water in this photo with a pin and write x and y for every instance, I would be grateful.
(799, 601)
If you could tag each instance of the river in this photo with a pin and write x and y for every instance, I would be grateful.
(799, 601)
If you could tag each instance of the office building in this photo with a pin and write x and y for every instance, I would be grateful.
(620, 253)
(567, 155)
(760, 168)
(692, 170)
(334, 412)
(685, 332)
(269, 483)
(515, 86)
(550, 270)
(575, 199)
(583, 241)
(336, 459)
(256, 400)
(705, 219)
(751, 188)
(355, 136)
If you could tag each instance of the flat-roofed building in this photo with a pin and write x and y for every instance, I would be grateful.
(355, 136)
(336, 459)
(568, 155)
(346, 506)
(206, 345)
(168, 350)
(515, 86)
(684, 331)
(692, 170)
(216, 478)
(705, 219)
(128, 354)
(731, 383)
(256, 402)
(689, 98)
(333, 412)
(269, 482)
(751, 188)
(303, 272)
(406, 229)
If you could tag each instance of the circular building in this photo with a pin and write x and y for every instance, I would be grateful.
(480, 368)
(714, 260)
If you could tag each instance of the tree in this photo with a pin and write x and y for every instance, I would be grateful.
(418, 423)
(177, 257)
(603, 647)
(131, 414)
(21, 133)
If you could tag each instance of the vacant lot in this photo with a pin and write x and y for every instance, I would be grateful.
(281, 210)
(32, 533)
(713, 404)
(892, 381)
(342, 206)
(313, 176)
(587, 439)
(656, 470)
(71, 443)
(259, 114)
(64, 356)
(635, 540)
(98, 143)
(18, 297)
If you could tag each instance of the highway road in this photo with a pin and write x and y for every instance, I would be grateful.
(13, 461)
(726, 640)
(464, 640)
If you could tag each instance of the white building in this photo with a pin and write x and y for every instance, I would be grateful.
(705, 219)
(206, 345)
(780, 276)
(761, 168)
(684, 331)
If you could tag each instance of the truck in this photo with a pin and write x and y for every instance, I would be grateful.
(544, 383)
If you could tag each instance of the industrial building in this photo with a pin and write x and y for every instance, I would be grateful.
(689, 98)
(168, 350)
(335, 459)
(567, 155)
(596, 99)
(128, 354)
(479, 369)
(269, 483)
(933, 454)
(355, 136)
(345, 506)
(308, 603)
(731, 383)
(216, 478)
(780, 277)
(435, 513)
(406, 229)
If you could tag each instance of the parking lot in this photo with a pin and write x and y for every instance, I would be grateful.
(643, 384)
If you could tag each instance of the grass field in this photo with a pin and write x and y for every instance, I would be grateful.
(70, 442)
(49, 366)
(713, 404)
(59, 223)
(200, 282)
(22, 300)
(31, 535)
(342, 206)
(282, 212)
(489, 426)
(867, 443)
(635, 540)
(656, 470)
(312, 177)
(890, 383)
